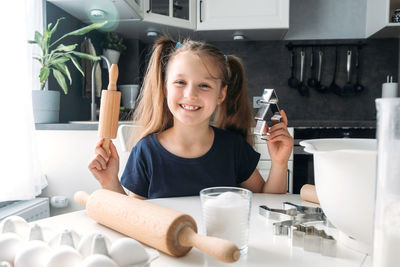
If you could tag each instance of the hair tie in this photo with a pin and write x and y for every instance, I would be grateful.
(226, 58)
(178, 44)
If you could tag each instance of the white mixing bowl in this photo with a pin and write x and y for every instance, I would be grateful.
(345, 175)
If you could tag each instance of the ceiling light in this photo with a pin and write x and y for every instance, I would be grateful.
(97, 13)
(237, 37)
(152, 34)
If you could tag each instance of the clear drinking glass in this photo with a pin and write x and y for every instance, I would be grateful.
(387, 204)
(226, 214)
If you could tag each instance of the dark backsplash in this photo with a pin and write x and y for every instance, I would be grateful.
(267, 66)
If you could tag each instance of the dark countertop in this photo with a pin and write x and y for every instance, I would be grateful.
(87, 125)
(332, 124)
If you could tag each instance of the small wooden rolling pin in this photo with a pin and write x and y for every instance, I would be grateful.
(109, 110)
(309, 193)
(167, 230)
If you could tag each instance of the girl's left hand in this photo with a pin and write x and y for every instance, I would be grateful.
(280, 142)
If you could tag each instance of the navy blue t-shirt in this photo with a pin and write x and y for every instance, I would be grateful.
(154, 172)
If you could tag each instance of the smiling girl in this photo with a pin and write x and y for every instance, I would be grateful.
(178, 152)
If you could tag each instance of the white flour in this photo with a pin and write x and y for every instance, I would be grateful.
(227, 217)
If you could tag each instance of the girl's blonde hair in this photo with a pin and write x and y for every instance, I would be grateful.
(152, 112)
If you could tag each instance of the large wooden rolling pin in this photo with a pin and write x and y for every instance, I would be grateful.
(109, 109)
(167, 230)
(309, 193)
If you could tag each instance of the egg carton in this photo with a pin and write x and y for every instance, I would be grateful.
(25, 245)
(300, 224)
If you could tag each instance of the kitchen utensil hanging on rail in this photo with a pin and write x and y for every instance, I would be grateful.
(319, 86)
(303, 89)
(315, 78)
(358, 87)
(292, 81)
(312, 82)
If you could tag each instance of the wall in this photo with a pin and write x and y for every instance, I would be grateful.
(64, 157)
(267, 66)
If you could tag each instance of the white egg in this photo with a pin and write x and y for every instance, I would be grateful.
(10, 243)
(34, 253)
(128, 251)
(65, 256)
(98, 260)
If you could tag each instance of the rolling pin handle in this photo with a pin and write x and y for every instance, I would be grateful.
(112, 77)
(309, 193)
(81, 197)
(220, 249)
(106, 146)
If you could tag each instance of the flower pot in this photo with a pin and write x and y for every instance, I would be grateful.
(46, 106)
(112, 55)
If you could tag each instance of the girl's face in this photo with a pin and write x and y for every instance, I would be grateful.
(193, 90)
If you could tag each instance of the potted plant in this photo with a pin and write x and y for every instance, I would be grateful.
(113, 46)
(53, 60)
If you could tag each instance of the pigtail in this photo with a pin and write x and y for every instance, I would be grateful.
(235, 113)
(152, 112)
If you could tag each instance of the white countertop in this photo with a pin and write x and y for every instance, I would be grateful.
(265, 248)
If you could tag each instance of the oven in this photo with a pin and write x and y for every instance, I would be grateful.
(303, 167)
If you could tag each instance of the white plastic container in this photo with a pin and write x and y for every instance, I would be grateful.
(387, 205)
(345, 175)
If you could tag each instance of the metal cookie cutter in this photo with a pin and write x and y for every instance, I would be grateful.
(313, 240)
(269, 101)
(294, 221)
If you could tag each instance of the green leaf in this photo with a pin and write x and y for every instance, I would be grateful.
(66, 48)
(76, 63)
(83, 30)
(32, 42)
(44, 74)
(64, 69)
(38, 37)
(45, 42)
(55, 26)
(87, 29)
(84, 55)
(58, 60)
(61, 80)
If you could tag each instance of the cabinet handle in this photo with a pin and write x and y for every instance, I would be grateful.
(201, 4)
(150, 6)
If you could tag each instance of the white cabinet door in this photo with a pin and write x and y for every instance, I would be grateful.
(378, 19)
(242, 14)
(176, 13)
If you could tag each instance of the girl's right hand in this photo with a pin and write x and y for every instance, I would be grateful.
(105, 168)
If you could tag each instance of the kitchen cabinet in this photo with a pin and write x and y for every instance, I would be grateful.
(177, 13)
(264, 165)
(224, 20)
(242, 14)
(379, 17)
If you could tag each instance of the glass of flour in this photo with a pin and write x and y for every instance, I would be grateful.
(226, 214)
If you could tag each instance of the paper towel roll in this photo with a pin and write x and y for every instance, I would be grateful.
(389, 90)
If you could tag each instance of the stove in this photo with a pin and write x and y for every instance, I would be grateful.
(303, 166)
